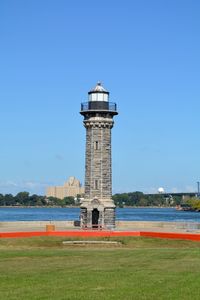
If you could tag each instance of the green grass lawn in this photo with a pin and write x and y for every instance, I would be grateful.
(139, 268)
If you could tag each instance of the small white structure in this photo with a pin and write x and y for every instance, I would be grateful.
(161, 190)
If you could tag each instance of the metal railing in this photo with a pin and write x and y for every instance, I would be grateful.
(98, 105)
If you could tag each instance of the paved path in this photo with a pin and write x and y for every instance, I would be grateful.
(29, 226)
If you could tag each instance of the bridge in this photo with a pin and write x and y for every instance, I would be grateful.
(171, 195)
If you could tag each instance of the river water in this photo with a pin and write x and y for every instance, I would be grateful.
(126, 214)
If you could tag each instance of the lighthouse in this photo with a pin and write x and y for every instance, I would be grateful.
(97, 210)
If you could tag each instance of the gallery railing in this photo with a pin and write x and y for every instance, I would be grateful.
(99, 105)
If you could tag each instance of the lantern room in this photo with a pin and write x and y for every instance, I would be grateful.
(99, 93)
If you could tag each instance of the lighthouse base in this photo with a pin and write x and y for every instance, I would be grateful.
(96, 214)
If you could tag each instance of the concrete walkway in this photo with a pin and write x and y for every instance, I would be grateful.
(29, 226)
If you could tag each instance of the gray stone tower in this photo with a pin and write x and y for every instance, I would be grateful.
(97, 208)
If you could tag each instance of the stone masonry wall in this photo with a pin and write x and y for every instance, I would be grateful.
(98, 171)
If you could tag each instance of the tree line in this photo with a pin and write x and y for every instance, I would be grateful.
(25, 199)
(121, 200)
(191, 204)
(141, 199)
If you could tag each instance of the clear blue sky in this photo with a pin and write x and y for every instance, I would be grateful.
(146, 53)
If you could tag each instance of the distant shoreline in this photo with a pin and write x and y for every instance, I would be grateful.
(38, 206)
(73, 206)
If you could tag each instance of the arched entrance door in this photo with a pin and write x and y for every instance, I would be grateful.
(95, 218)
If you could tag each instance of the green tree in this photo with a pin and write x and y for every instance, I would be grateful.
(2, 200)
(69, 201)
(9, 200)
(22, 198)
(194, 203)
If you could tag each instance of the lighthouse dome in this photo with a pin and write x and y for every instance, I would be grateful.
(99, 88)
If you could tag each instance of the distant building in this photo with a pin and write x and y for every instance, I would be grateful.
(72, 187)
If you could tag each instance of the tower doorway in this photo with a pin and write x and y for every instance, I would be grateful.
(95, 218)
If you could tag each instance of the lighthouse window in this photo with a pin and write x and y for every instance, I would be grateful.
(96, 145)
(96, 184)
